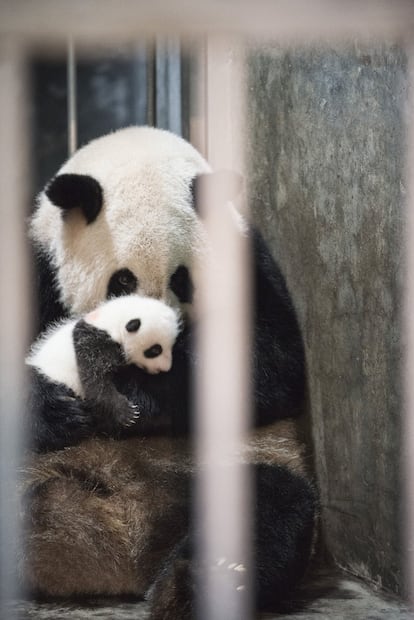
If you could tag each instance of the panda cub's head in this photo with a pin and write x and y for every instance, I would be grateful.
(145, 328)
(118, 218)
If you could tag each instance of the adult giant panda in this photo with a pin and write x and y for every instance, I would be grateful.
(119, 218)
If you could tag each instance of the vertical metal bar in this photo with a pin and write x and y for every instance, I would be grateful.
(198, 131)
(408, 418)
(14, 309)
(174, 85)
(168, 84)
(72, 108)
(223, 491)
(151, 69)
(140, 83)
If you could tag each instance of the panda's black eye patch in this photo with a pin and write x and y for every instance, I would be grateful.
(133, 325)
(153, 351)
(181, 285)
(122, 282)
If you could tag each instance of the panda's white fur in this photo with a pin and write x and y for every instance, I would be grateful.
(53, 355)
(145, 174)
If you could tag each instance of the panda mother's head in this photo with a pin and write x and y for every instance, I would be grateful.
(118, 218)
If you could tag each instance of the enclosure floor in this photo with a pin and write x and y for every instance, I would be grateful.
(334, 597)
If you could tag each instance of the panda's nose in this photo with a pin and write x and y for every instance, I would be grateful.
(162, 363)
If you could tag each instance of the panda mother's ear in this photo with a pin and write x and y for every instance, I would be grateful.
(76, 191)
(226, 184)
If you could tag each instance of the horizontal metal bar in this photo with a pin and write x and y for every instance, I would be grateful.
(48, 21)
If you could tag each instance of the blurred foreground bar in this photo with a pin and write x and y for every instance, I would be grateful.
(285, 19)
(223, 398)
(14, 307)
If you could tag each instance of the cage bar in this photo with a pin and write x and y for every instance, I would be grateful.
(14, 309)
(72, 101)
(223, 396)
(283, 19)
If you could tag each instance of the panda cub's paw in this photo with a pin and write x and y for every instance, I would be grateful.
(129, 418)
(113, 412)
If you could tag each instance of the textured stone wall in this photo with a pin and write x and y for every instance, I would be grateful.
(326, 144)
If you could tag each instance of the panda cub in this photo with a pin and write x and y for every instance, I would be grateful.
(76, 359)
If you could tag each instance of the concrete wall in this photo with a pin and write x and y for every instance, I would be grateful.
(326, 143)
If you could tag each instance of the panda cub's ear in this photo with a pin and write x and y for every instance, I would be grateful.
(226, 184)
(76, 191)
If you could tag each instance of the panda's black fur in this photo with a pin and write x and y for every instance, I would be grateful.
(285, 506)
(54, 415)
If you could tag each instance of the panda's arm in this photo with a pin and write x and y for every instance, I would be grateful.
(278, 351)
(55, 416)
(98, 356)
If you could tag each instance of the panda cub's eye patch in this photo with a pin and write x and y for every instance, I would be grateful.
(122, 282)
(133, 325)
(181, 285)
(153, 351)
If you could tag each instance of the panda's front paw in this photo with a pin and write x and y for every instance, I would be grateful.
(135, 413)
(128, 414)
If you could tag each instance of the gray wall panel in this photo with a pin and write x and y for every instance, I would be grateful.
(326, 143)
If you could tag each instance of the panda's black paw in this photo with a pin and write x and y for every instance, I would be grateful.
(56, 417)
(135, 414)
(127, 413)
(113, 413)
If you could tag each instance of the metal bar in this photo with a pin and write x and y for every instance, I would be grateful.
(14, 308)
(198, 130)
(151, 78)
(71, 97)
(140, 83)
(285, 19)
(223, 491)
(168, 84)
